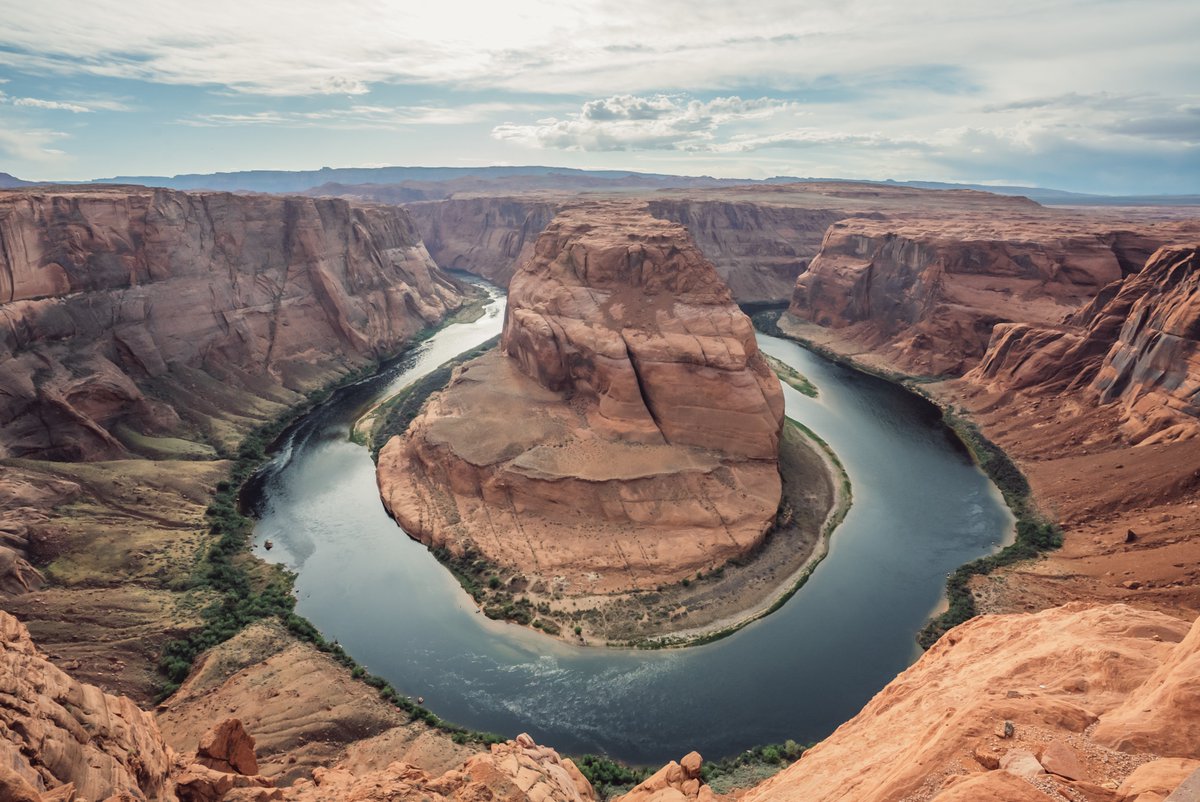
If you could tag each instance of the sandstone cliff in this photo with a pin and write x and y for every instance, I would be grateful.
(489, 237)
(56, 731)
(165, 325)
(627, 436)
(758, 248)
(135, 313)
(928, 292)
(1136, 345)
(1016, 707)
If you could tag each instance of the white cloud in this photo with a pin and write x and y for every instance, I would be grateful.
(359, 116)
(31, 145)
(36, 103)
(603, 46)
(631, 122)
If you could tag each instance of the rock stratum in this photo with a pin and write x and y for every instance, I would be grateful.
(927, 293)
(145, 332)
(134, 313)
(626, 435)
(1082, 702)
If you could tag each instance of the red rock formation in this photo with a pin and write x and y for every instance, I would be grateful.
(166, 311)
(758, 248)
(628, 438)
(489, 237)
(928, 292)
(55, 731)
(1052, 675)
(1136, 346)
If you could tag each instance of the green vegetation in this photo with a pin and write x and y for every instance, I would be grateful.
(612, 778)
(242, 589)
(792, 377)
(1035, 534)
(395, 414)
(608, 777)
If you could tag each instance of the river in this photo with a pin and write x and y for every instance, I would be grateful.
(921, 508)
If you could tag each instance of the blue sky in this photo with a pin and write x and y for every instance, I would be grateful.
(1089, 95)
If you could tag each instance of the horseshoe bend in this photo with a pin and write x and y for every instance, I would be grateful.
(624, 438)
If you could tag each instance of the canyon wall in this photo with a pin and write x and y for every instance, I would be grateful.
(165, 313)
(627, 435)
(759, 249)
(1136, 346)
(489, 237)
(927, 292)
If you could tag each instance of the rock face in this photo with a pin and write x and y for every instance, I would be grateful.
(928, 292)
(759, 249)
(132, 313)
(627, 436)
(518, 770)
(489, 237)
(1053, 674)
(55, 731)
(1136, 346)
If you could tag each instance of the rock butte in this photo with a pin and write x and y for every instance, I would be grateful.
(626, 435)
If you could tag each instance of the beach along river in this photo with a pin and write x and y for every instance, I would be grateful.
(921, 509)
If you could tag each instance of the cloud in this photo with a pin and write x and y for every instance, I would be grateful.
(360, 116)
(31, 145)
(631, 122)
(35, 103)
(596, 47)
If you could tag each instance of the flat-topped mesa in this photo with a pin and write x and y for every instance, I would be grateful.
(626, 436)
(621, 308)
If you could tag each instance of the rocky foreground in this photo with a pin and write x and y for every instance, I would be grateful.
(1081, 702)
(625, 437)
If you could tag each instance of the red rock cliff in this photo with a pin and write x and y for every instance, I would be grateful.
(928, 292)
(165, 312)
(628, 437)
(489, 237)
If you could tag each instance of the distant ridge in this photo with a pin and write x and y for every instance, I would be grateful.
(406, 184)
(11, 182)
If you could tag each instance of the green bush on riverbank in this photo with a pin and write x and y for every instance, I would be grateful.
(1035, 534)
(247, 590)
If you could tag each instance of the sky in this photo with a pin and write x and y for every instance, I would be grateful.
(1087, 95)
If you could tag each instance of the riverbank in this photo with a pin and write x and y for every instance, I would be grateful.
(1034, 533)
(714, 603)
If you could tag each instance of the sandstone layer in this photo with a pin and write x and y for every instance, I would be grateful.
(145, 333)
(1047, 700)
(490, 237)
(55, 731)
(626, 437)
(927, 292)
(133, 315)
(759, 249)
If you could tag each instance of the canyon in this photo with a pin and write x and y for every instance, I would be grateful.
(148, 330)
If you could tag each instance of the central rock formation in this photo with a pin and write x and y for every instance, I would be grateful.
(627, 435)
